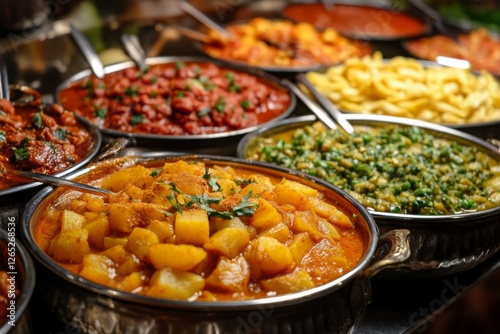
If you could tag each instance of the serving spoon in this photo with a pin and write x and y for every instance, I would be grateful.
(133, 48)
(313, 106)
(200, 16)
(327, 105)
(55, 181)
(88, 52)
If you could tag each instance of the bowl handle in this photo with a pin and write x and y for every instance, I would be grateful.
(398, 253)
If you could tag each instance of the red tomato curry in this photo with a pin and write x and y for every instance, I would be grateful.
(180, 98)
(44, 140)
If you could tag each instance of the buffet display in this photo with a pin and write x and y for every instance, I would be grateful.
(285, 212)
(282, 45)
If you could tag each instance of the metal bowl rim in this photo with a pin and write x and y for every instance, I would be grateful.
(366, 119)
(172, 59)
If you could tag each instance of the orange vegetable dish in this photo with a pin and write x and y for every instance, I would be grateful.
(478, 47)
(282, 43)
(188, 231)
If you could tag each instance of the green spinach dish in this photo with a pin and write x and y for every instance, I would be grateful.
(395, 169)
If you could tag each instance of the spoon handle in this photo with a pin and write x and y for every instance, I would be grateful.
(134, 49)
(58, 181)
(196, 13)
(327, 105)
(320, 113)
(4, 81)
(88, 52)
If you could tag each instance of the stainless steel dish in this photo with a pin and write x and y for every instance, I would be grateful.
(16, 261)
(218, 143)
(14, 198)
(440, 245)
(485, 130)
(334, 307)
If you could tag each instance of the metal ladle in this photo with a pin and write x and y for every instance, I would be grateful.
(88, 52)
(327, 105)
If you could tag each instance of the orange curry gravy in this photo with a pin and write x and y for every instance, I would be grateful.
(358, 21)
(180, 98)
(235, 251)
(45, 140)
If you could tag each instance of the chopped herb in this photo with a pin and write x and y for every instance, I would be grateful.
(21, 153)
(212, 181)
(230, 77)
(197, 70)
(101, 113)
(61, 133)
(220, 104)
(203, 111)
(89, 87)
(37, 122)
(132, 91)
(154, 80)
(179, 93)
(245, 104)
(2, 136)
(52, 147)
(187, 87)
(136, 119)
(244, 182)
(234, 88)
(179, 65)
(156, 172)
(3, 113)
(153, 94)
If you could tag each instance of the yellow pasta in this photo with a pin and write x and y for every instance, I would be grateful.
(404, 87)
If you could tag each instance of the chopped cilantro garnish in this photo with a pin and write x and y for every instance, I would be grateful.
(132, 91)
(60, 133)
(136, 119)
(203, 111)
(36, 121)
(245, 104)
(179, 93)
(101, 113)
(220, 104)
(2, 136)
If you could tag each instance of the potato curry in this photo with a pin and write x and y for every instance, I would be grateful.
(201, 231)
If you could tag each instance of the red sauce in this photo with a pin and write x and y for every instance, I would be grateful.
(39, 139)
(176, 99)
(358, 21)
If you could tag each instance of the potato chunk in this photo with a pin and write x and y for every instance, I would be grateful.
(192, 227)
(228, 242)
(331, 213)
(140, 240)
(97, 268)
(268, 256)
(265, 216)
(174, 284)
(182, 257)
(138, 176)
(71, 220)
(300, 245)
(70, 246)
(294, 193)
(293, 282)
(230, 275)
(98, 230)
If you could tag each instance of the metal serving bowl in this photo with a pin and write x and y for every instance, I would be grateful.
(14, 198)
(24, 277)
(217, 143)
(336, 306)
(440, 245)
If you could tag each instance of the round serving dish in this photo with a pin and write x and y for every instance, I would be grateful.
(440, 244)
(419, 94)
(14, 198)
(360, 21)
(336, 306)
(17, 263)
(271, 44)
(220, 142)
